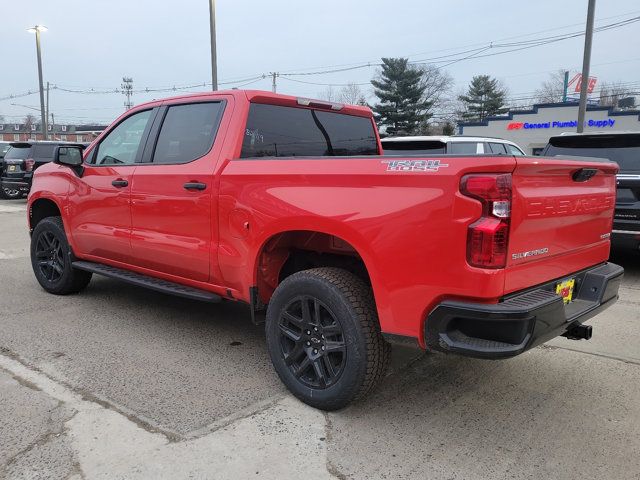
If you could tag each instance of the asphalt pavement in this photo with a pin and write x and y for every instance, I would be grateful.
(123, 383)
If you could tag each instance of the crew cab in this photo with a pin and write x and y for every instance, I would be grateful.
(287, 204)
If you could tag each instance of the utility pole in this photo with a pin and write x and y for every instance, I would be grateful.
(127, 90)
(274, 86)
(214, 57)
(43, 116)
(586, 61)
(566, 86)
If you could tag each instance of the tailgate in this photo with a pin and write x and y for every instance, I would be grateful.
(561, 218)
(13, 167)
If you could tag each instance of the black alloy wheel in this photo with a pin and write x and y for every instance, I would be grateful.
(49, 256)
(324, 337)
(51, 259)
(312, 342)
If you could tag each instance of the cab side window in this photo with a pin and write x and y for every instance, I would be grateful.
(513, 150)
(463, 148)
(121, 145)
(187, 132)
(497, 148)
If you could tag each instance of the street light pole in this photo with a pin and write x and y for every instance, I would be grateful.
(43, 116)
(214, 60)
(586, 61)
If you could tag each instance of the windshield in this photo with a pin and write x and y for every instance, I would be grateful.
(17, 153)
(3, 149)
(624, 150)
(418, 147)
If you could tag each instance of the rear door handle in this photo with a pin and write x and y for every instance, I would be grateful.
(119, 183)
(195, 186)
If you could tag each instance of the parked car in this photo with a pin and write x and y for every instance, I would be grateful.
(20, 161)
(4, 146)
(286, 204)
(450, 145)
(624, 149)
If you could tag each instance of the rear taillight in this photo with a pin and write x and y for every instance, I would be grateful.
(28, 164)
(488, 237)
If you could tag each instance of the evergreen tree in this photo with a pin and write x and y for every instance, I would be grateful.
(402, 107)
(484, 98)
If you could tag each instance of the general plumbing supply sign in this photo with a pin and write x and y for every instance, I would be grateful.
(606, 123)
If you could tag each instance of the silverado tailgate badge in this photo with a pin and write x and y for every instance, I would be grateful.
(530, 253)
(414, 165)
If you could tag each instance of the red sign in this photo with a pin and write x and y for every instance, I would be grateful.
(576, 83)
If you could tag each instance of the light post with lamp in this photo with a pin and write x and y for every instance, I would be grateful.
(43, 116)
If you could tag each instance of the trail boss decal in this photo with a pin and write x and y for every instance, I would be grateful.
(414, 165)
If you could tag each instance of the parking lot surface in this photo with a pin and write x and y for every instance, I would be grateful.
(121, 382)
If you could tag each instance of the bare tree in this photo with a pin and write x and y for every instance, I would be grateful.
(352, 94)
(612, 92)
(29, 120)
(328, 94)
(552, 89)
(437, 86)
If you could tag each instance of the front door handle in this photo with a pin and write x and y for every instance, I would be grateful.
(119, 183)
(195, 186)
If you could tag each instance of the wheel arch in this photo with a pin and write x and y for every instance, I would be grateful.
(287, 251)
(41, 208)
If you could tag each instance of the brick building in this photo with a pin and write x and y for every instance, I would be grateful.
(17, 132)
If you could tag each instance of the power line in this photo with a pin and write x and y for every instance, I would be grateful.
(473, 54)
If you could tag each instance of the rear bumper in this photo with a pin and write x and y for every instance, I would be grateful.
(522, 320)
(23, 183)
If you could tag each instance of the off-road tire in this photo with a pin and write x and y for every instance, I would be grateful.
(67, 279)
(350, 300)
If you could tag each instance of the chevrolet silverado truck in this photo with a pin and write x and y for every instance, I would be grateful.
(287, 204)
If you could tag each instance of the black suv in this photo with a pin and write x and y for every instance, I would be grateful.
(624, 149)
(19, 163)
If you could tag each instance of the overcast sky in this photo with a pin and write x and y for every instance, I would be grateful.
(93, 44)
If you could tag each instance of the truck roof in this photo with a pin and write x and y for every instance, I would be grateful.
(263, 96)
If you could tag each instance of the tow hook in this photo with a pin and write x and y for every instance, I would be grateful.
(579, 332)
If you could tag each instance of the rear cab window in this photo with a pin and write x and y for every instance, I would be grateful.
(622, 149)
(18, 153)
(279, 131)
(417, 147)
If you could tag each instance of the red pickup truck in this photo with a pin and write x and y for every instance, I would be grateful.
(288, 205)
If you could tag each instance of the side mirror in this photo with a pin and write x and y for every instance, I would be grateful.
(71, 155)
